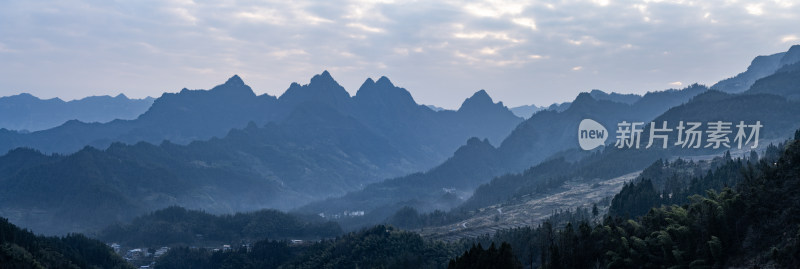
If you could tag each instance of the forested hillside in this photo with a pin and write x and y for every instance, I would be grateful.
(544, 134)
(754, 223)
(176, 226)
(22, 249)
(377, 247)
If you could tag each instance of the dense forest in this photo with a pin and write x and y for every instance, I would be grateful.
(741, 212)
(22, 249)
(668, 183)
(176, 226)
(477, 257)
(610, 162)
(736, 211)
(754, 223)
(381, 247)
(320, 176)
(750, 220)
(377, 247)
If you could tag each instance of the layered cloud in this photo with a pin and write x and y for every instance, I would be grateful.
(521, 52)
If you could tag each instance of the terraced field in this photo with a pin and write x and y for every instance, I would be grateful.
(531, 210)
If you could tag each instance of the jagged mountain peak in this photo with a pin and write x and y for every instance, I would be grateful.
(188, 102)
(323, 81)
(482, 94)
(760, 66)
(615, 97)
(479, 100)
(480, 103)
(323, 78)
(583, 97)
(24, 95)
(475, 147)
(477, 142)
(585, 101)
(384, 81)
(597, 91)
(791, 56)
(321, 89)
(369, 81)
(383, 92)
(235, 80)
(234, 85)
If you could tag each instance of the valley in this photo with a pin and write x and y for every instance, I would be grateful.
(318, 178)
(531, 210)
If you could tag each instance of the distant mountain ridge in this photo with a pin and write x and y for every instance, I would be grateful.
(30, 113)
(760, 67)
(778, 115)
(527, 111)
(436, 108)
(192, 115)
(317, 141)
(785, 82)
(551, 133)
(289, 151)
(532, 141)
(179, 117)
(615, 97)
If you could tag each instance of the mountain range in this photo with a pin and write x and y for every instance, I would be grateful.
(760, 67)
(315, 141)
(227, 149)
(527, 111)
(197, 157)
(192, 115)
(544, 134)
(27, 113)
(551, 134)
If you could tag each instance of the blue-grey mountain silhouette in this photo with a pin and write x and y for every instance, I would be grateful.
(25, 112)
(314, 141)
(760, 67)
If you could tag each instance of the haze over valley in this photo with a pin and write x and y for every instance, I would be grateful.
(594, 134)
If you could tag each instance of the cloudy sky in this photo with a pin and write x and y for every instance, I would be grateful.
(535, 52)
